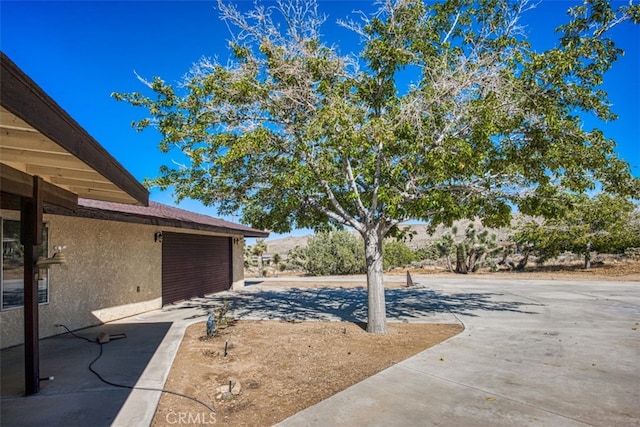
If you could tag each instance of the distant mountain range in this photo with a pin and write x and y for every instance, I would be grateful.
(421, 238)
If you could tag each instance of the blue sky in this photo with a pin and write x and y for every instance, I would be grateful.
(80, 52)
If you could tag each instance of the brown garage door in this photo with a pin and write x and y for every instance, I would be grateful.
(194, 265)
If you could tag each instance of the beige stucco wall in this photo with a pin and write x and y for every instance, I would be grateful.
(237, 278)
(114, 270)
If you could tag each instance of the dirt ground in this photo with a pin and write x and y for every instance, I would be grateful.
(276, 369)
(281, 367)
(610, 269)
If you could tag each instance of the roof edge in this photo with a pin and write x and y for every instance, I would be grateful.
(23, 97)
(109, 215)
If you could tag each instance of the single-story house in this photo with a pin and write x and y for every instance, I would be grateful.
(64, 197)
(121, 260)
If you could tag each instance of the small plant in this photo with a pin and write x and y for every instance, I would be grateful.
(219, 319)
(223, 319)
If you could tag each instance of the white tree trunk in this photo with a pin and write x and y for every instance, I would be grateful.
(376, 309)
(587, 257)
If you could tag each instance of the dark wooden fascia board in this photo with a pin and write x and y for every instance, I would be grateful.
(9, 201)
(95, 213)
(24, 98)
(13, 181)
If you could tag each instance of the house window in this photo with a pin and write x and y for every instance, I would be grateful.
(12, 283)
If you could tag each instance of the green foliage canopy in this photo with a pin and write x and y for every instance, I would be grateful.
(292, 134)
(603, 223)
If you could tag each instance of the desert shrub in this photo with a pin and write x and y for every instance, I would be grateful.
(396, 254)
(429, 252)
(297, 258)
(334, 253)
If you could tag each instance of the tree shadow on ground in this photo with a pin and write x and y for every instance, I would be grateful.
(297, 304)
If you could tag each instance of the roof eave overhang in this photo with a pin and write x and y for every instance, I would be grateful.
(39, 138)
(102, 214)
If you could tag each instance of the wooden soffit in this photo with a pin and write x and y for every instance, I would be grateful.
(22, 185)
(37, 137)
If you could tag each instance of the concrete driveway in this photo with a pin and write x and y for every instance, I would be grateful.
(535, 353)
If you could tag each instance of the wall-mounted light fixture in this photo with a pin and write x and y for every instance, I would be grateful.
(157, 236)
(57, 258)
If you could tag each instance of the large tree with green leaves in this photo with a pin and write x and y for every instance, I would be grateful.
(603, 223)
(447, 112)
